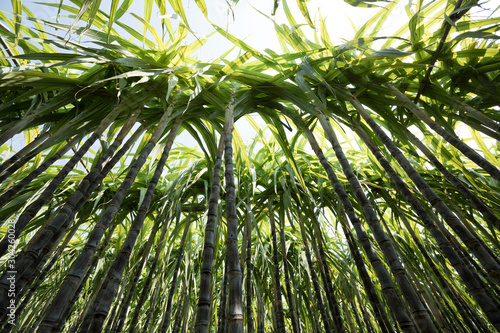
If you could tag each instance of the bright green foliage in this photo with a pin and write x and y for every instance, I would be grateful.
(432, 87)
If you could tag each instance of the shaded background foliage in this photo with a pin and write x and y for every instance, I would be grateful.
(387, 222)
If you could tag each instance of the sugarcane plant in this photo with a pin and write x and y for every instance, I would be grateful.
(318, 187)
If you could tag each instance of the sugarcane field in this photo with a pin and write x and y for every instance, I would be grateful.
(252, 166)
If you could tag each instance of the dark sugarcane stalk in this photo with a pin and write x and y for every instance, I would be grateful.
(31, 275)
(26, 217)
(104, 244)
(460, 145)
(28, 260)
(40, 277)
(144, 256)
(23, 283)
(46, 268)
(293, 318)
(420, 315)
(37, 205)
(173, 286)
(83, 323)
(494, 289)
(114, 276)
(117, 316)
(476, 246)
(218, 240)
(147, 326)
(72, 303)
(248, 280)
(4, 198)
(346, 310)
(480, 275)
(479, 295)
(133, 284)
(327, 281)
(82, 263)
(203, 310)
(391, 295)
(142, 298)
(28, 149)
(95, 179)
(235, 281)
(480, 206)
(467, 224)
(222, 320)
(244, 245)
(260, 311)
(378, 308)
(314, 278)
(182, 306)
(272, 299)
(28, 152)
(102, 247)
(444, 284)
(414, 279)
(280, 317)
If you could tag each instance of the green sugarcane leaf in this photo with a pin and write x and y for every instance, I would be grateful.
(123, 9)
(203, 7)
(93, 12)
(36, 79)
(179, 10)
(158, 39)
(477, 34)
(112, 16)
(365, 3)
(17, 8)
(82, 10)
(390, 52)
(148, 9)
(305, 12)
(38, 26)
